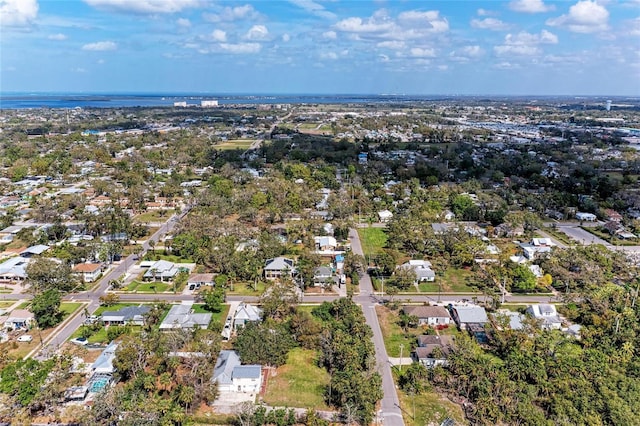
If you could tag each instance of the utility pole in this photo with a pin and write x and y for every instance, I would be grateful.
(401, 348)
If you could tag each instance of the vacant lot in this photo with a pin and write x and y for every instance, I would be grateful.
(298, 383)
(429, 409)
(393, 334)
(373, 240)
(454, 280)
(242, 144)
(150, 287)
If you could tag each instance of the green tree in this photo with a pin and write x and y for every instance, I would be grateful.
(259, 343)
(523, 278)
(46, 274)
(213, 298)
(46, 308)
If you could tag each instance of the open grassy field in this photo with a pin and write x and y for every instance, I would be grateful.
(393, 334)
(298, 383)
(149, 287)
(68, 308)
(429, 409)
(6, 303)
(454, 280)
(246, 289)
(243, 144)
(153, 216)
(372, 239)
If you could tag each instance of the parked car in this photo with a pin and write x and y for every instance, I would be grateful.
(25, 338)
(82, 341)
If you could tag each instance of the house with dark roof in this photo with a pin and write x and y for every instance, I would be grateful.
(432, 350)
(133, 315)
(429, 315)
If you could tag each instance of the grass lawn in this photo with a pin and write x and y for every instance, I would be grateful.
(372, 239)
(153, 216)
(393, 335)
(246, 289)
(453, 281)
(6, 303)
(99, 336)
(298, 383)
(113, 308)
(158, 255)
(221, 316)
(24, 305)
(68, 308)
(430, 408)
(149, 287)
(235, 144)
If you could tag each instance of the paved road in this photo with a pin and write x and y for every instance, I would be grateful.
(389, 413)
(55, 341)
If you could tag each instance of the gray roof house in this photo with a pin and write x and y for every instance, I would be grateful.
(277, 267)
(223, 371)
(547, 314)
(246, 313)
(231, 376)
(322, 276)
(104, 363)
(128, 315)
(422, 269)
(469, 314)
(182, 317)
(162, 270)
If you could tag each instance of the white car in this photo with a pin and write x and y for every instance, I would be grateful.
(25, 338)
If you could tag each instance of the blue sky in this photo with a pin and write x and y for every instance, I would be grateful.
(520, 47)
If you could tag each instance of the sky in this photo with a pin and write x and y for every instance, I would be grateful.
(453, 47)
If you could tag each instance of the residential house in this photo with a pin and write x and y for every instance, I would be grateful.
(34, 251)
(278, 267)
(104, 363)
(612, 215)
(163, 270)
(449, 215)
(472, 319)
(20, 318)
(589, 217)
(515, 319)
(13, 270)
(198, 280)
(429, 315)
(432, 350)
(422, 269)
(183, 317)
(325, 243)
(232, 377)
(385, 216)
(547, 314)
(246, 313)
(128, 315)
(323, 276)
(88, 272)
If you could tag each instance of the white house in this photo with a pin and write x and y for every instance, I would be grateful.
(547, 314)
(325, 243)
(589, 217)
(422, 269)
(19, 318)
(385, 215)
(182, 316)
(232, 377)
(429, 315)
(432, 350)
(246, 313)
(88, 272)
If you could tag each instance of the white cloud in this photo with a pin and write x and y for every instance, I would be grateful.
(100, 61)
(78, 70)
(18, 13)
(584, 17)
(634, 27)
(232, 14)
(409, 25)
(257, 32)
(329, 55)
(443, 67)
(530, 6)
(183, 23)
(525, 44)
(314, 8)
(241, 48)
(492, 24)
(100, 46)
(218, 35)
(391, 44)
(485, 12)
(57, 37)
(506, 66)
(467, 53)
(286, 37)
(330, 35)
(145, 6)
(419, 52)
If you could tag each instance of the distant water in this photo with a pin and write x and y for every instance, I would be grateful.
(25, 100)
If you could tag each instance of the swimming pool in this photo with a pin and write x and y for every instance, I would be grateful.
(98, 383)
